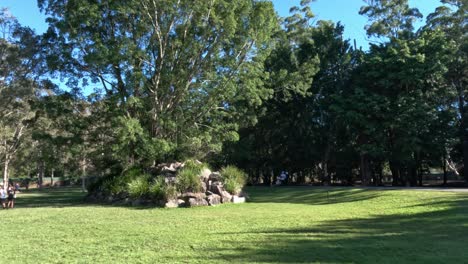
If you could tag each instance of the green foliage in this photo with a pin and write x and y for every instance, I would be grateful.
(194, 165)
(139, 187)
(188, 179)
(208, 78)
(233, 179)
(132, 181)
(159, 190)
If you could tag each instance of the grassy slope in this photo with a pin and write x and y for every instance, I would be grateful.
(285, 225)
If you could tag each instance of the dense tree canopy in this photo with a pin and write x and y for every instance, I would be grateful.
(230, 82)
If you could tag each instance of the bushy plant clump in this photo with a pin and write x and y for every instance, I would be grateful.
(138, 187)
(233, 179)
(188, 180)
(160, 190)
(118, 184)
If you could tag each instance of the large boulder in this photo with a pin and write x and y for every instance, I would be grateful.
(187, 195)
(204, 187)
(205, 174)
(172, 203)
(170, 167)
(213, 199)
(182, 203)
(226, 197)
(195, 202)
(217, 188)
(215, 176)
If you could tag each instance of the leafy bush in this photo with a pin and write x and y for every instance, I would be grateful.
(188, 180)
(156, 189)
(139, 187)
(233, 179)
(160, 190)
(115, 184)
(194, 166)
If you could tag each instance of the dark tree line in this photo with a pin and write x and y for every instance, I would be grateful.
(342, 114)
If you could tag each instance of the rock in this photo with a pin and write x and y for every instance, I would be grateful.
(171, 167)
(172, 203)
(236, 199)
(226, 197)
(215, 176)
(181, 203)
(193, 195)
(213, 199)
(203, 185)
(205, 174)
(195, 202)
(217, 189)
(169, 178)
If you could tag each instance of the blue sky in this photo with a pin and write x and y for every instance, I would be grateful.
(345, 11)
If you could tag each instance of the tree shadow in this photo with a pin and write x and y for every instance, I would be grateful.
(50, 197)
(310, 195)
(437, 236)
(64, 197)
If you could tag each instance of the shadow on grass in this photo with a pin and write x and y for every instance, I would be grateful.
(57, 197)
(62, 197)
(437, 236)
(308, 195)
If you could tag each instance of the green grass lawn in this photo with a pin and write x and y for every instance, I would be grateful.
(279, 225)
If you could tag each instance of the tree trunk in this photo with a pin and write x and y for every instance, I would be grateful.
(365, 170)
(464, 133)
(5, 172)
(395, 169)
(40, 179)
(445, 170)
(465, 158)
(52, 178)
(420, 177)
(83, 175)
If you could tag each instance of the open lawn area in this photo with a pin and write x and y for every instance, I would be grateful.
(278, 225)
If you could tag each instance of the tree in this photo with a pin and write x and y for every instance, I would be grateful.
(19, 66)
(452, 19)
(183, 73)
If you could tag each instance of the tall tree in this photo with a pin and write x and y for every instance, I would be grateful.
(19, 83)
(183, 72)
(452, 18)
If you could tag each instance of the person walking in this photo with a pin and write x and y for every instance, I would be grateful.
(3, 197)
(11, 197)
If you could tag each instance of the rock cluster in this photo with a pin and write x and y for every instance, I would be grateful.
(213, 192)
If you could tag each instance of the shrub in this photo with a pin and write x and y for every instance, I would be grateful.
(188, 180)
(113, 186)
(170, 192)
(139, 187)
(160, 190)
(194, 166)
(233, 179)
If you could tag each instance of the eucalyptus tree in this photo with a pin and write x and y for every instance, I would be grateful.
(183, 73)
(452, 19)
(19, 85)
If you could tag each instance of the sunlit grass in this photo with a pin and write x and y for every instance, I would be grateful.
(279, 225)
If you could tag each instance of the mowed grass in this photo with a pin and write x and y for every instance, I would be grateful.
(279, 225)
